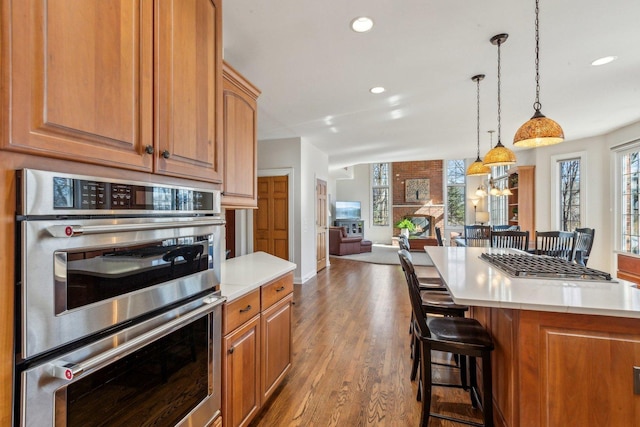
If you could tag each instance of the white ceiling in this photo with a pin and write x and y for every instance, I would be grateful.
(315, 73)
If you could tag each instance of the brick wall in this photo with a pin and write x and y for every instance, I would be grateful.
(431, 169)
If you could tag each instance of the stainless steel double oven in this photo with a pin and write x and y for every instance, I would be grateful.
(119, 317)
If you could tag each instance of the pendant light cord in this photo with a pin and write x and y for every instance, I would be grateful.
(478, 116)
(536, 105)
(499, 108)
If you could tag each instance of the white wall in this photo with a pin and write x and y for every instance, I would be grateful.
(304, 163)
(359, 189)
(599, 179)
(315, 165)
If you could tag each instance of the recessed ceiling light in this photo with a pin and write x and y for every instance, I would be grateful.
(376, 90)
(361, 24)
(604, 60)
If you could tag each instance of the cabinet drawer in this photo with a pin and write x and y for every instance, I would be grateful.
(239, 311)
(276, 290)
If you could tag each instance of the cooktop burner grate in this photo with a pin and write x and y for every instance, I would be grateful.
(539, 266)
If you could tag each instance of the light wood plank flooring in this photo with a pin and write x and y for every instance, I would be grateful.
(351, 359)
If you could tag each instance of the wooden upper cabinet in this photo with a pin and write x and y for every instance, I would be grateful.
(188, 60)
(521, 180)
(81, 81)
(85, 84)
(240, 140)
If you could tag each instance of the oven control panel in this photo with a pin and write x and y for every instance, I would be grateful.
(69, 193)
(62, 193)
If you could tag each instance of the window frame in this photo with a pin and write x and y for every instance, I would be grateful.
(375, 187)
(555, 187)
(462, 186)
(619, 152)
(500, 203)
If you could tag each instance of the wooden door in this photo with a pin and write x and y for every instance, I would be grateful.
(230, 232)
(81, 80)
(321, 224)
(271, 219)
(241, 374)
(188, 77)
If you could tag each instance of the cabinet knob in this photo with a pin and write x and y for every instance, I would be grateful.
(166, 154)
(148, 149)
(231, 350)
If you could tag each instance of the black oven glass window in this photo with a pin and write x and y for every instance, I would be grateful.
(100, 274)
(157, 385)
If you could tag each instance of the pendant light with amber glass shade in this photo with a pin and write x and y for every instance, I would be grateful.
(478, 168)
(499, 155)
(539, 130)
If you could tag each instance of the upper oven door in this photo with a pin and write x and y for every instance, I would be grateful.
(79, 277)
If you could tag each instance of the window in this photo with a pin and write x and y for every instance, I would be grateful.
(455, 193)
(628, 173)
(498, 204)
(569, 190)
(380, 193)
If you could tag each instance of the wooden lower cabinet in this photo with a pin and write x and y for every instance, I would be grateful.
(257, 350)
(276, 345)
(241, 374)
(560, 369)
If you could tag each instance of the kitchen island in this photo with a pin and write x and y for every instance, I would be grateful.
(565, 350)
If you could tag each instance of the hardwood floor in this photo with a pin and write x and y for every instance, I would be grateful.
(351, 358)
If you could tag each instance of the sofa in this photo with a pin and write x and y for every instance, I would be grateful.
(340, 243)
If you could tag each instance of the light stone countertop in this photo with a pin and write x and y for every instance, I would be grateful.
(473, 281)
(241, 275)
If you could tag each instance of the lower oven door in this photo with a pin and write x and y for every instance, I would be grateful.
(162, 372)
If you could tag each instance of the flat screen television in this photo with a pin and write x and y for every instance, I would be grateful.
(347, 210)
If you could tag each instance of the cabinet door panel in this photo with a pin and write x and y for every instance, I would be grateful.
(241, 374)
(276, 345)
(77, 92)
(240, 124)
(188, 89)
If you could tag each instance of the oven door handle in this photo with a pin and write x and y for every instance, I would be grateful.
(68, 371)
(79, 230)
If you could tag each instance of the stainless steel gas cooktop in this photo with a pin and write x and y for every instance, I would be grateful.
(543, 267)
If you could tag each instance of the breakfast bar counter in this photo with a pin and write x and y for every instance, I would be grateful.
(565, 350)
(473, 281)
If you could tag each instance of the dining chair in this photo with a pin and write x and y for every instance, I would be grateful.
(505, 227)
(477, 235)
(457, 335)
(558, 244)
(439, 236)
(510, 239)
(584, 243)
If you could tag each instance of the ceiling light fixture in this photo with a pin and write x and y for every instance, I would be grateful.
(376, 90)
(361, 24)
(499, 155)
(539, 130)
(478, 168)
(481, 191)
(604, 60)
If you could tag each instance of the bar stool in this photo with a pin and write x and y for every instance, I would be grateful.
(457, 335)
(433, 302)
(428, 277)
